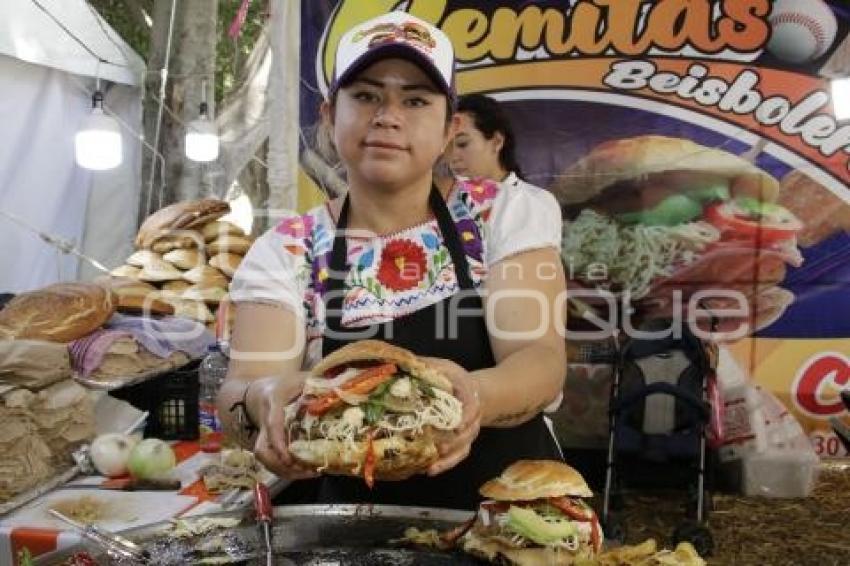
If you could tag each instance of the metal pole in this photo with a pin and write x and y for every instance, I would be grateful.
(163, 78)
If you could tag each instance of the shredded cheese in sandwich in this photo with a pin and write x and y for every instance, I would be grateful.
(443, 412)
(636, 255)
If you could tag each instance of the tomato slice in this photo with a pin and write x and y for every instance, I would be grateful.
(363, 384)
(369, 464)
(582, 514)
(595, 532)
(571, 510)
(767, 223)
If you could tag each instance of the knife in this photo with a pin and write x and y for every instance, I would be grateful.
(263, 509)
(131, 484)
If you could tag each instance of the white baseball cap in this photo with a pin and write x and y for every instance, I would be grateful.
(395, 34)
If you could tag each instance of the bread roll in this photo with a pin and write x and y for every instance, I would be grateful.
(183, 239)
(125, 287)
(206, 275)
(195, 310)
(526, 480)
(209, 295)
(59, 313)
(126, 271)
(176, 286)
(230, 244)
(396, 457)
(184, 259)
(377, 350)
(141, 258)
(219, 228)
(135, 296)
(160, 270)
(226, 262)
(144, 304)
(180, 215)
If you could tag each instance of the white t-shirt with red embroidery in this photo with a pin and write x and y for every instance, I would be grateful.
(395, 274)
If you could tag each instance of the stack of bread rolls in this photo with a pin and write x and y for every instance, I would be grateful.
(185, 257)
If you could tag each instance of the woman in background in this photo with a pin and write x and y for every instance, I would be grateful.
(485, 145)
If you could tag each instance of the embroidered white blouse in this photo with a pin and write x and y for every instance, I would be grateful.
(395, 274)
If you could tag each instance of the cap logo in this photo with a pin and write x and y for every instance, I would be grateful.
(410, 33)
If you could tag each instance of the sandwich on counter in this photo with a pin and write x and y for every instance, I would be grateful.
(535, 514)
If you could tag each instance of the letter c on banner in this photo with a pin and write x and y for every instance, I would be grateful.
(831, 369)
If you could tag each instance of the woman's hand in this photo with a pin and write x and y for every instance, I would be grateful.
(454, 446)
(266, 401)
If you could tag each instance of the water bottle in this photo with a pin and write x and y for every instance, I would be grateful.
(211, 375)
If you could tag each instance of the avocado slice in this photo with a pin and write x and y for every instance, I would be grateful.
(672, 211)
(711, 193)
(532, 526)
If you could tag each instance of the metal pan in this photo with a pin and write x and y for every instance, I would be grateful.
(330, 534)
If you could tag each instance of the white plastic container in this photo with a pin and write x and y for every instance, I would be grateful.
(780, 473)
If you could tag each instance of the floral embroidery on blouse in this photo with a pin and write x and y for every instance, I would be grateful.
(389, 276)
(403, 265)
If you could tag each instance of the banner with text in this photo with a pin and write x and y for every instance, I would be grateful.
(695, 151)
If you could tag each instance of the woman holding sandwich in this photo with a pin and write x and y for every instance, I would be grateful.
(457, 277)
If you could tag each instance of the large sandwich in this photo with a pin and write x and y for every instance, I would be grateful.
(535, 514)
(374, 410)
(652, 215)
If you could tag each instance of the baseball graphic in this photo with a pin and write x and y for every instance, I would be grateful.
(802, 30)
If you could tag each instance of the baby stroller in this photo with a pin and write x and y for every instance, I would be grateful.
(658, 415)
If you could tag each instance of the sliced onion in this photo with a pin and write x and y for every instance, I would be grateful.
(485, 516)
(326, 384)
(349, 397)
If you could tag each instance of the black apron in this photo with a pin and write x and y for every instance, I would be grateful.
(468, 345)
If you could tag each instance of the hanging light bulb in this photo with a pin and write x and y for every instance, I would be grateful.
(97, 145)
(202, 137)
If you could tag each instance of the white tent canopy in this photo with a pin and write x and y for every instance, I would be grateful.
(50, 53)
(69, 36)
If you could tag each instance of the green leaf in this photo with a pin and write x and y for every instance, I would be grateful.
(380, 391)
(373, 411)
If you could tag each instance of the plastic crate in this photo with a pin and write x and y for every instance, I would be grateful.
(171, 399)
